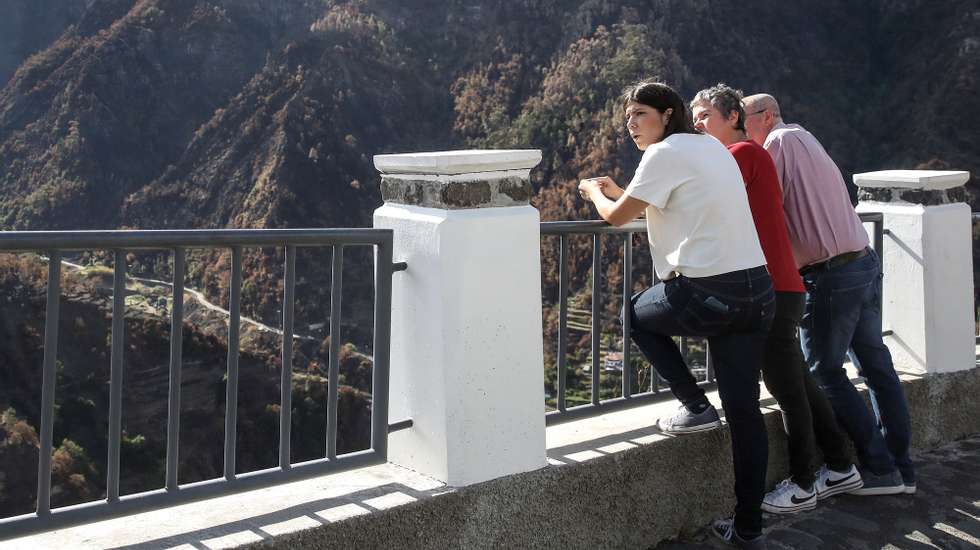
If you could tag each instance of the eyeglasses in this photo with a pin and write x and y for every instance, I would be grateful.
(755, 113)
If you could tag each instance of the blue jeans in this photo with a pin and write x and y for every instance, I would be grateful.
(734, 311)
(843, 313)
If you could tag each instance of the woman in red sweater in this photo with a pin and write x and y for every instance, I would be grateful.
(807, 415)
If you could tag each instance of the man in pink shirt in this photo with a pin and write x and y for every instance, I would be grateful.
(842, 277)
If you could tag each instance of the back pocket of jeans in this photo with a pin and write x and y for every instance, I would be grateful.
(707, 314)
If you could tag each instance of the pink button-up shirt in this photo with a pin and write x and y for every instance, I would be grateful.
(821, 221)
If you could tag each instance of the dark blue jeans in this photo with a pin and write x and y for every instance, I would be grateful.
(734, 311)
(843, 313)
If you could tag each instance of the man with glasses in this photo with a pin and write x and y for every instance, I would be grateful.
(843, 289)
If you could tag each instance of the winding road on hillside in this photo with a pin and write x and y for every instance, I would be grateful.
(199, 296)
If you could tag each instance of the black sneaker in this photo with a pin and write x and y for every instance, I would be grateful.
(685, 422)
(725, 530)
(909, 481)
(885, 484)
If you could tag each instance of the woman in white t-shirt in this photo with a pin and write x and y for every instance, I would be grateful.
(715, 284)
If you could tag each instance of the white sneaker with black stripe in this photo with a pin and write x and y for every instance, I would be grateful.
(831, 482)
(789, 498)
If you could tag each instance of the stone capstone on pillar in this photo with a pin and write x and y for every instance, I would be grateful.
(466, 332)
(928, 266)
(925, 187)
(457, 180)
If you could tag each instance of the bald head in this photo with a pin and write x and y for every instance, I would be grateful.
(759, 102)
(761, 114)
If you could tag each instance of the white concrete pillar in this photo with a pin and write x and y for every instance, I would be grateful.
(466, 332)
(928, 266)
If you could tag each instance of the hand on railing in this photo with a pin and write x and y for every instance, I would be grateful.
(604, 185)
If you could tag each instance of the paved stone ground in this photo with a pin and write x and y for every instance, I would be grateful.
(945, 513)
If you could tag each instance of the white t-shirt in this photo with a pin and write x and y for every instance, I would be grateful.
(698, 221)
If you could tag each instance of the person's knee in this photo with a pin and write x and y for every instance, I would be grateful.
(829, 377)
(627, 309)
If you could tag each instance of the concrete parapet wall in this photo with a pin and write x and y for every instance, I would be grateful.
(631, 499)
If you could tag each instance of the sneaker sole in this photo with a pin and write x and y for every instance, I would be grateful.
(842, 488)
(879, 491)
(804, 507)
(691, 429)
(909, 490)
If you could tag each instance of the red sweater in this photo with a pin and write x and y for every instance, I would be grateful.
(766, 202)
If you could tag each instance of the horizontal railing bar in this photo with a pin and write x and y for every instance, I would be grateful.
(161, 498)
(593, 227)
(401, 425)
(192, 238)
(868, 217)
(590, 227)
(588, 410)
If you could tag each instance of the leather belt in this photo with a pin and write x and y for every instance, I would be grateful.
(836, 261)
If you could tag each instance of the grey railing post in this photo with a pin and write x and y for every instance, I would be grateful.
(333, 372)
(176, 364)
(231, 386)
(286, 376)
(466, 340)
(49, 379)
(116, 374)
(928, 269)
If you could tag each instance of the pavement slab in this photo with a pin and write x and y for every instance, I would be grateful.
(944, 513)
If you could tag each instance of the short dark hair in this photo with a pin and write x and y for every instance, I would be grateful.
(724, 98)
(661, 97)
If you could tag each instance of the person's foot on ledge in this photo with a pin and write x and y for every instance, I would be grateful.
(686, 421)
(789, 498)
(724, 529)
(884, 484)
(832, 482)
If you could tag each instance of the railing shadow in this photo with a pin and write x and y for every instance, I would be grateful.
(308, 514)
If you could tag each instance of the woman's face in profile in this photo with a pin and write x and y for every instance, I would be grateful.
(645, 124)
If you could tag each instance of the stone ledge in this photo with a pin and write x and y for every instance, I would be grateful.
(629, 499)
(616, 482)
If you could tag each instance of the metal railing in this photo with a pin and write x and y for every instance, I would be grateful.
(597, 406)
(54, 243)
(976, 218)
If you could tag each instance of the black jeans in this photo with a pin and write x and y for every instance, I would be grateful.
(734, 311)
(807, 415)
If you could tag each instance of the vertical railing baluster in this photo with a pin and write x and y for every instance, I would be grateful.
(627, 314)
(49, 379)
(562, 320)
(879, 231)
(286, 379)
(333, 374)
(709, 363)
(176, 364)
(382, 351)
(596, 313)
(231, 387)
(116, 374)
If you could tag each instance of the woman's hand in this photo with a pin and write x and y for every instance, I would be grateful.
(604, 186)
(609, 187)
(587, 187)
(612, 203)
